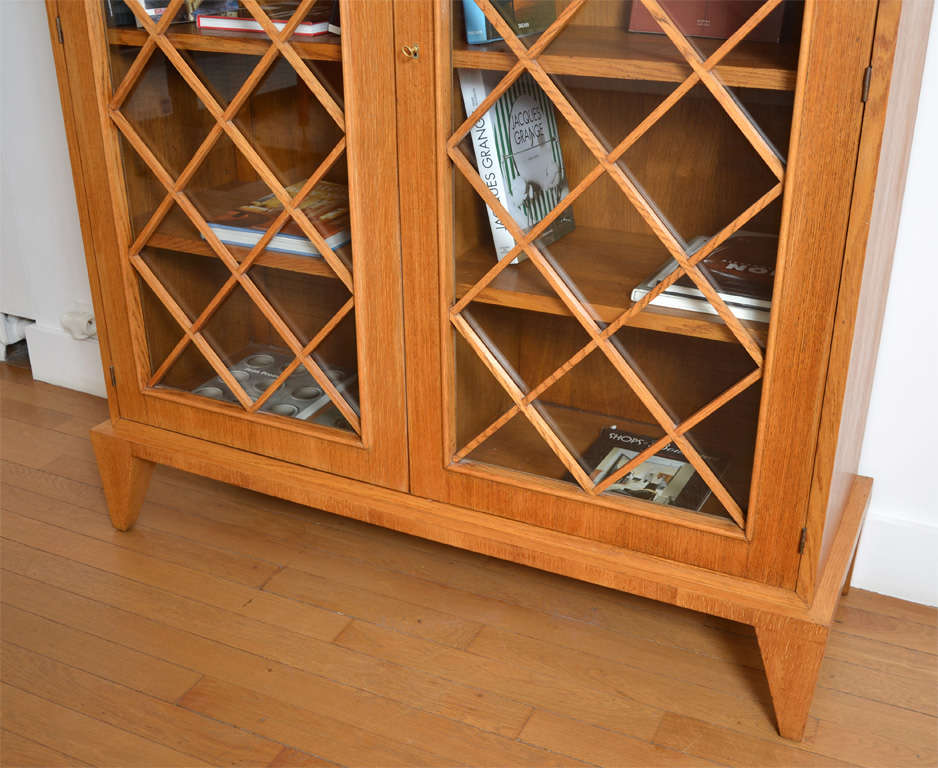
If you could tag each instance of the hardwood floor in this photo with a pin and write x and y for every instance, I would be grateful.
(229, 628)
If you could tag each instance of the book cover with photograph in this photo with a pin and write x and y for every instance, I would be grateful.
(518, 155)
(525, 17)
(664, 478)
(742, 270)
(327, 208)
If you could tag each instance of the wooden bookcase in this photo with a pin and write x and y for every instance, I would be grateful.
(410, 379)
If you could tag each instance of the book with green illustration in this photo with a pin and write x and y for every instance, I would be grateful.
(518, 155)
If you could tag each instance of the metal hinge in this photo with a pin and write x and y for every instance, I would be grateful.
(801, 541)
(867, 76)
(113, 377)
(58, 29)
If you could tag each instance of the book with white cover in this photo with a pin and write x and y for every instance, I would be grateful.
(518, 155)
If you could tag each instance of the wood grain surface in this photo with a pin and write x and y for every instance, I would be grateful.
(241, 629)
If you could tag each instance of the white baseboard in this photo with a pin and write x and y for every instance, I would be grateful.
(55, 357)
(898, 557)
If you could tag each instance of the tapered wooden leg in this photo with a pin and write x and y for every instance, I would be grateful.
(124, 476)
(853, 562)
(792, 654)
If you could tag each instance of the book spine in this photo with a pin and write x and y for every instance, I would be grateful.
(484, 142)
(335, 23)
(250, 25)
(694, 294)
(476, 23)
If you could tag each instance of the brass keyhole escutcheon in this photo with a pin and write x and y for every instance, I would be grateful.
(411, 51)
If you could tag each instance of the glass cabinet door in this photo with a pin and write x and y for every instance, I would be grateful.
(618, 199)
(617, 212)
(244, 234)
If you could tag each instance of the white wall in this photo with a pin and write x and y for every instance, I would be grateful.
(899, 548)
(42, 270)
(42, 264)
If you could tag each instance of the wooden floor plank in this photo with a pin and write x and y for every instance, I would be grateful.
(20, 382)
(165, 578)
(873, 718)
(905, 691)
(326, 567)
(77, 482)
(229, 566)
(602, 746)
(406, 617)
(410, 702)
(747, 710)
(885, 657)
(226, 606)
(891, 606)
(888, 629)
(159, 721)
(870, 750)
(293, 758)
(96, 655)
(87, 738)
(317, 734)
(545, 689)
(363, 547)
(728, 747)
(18, 443)
(19, 752)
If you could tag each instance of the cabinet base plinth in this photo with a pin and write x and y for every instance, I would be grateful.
(792, 634)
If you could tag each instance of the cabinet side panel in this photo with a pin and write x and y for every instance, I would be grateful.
(899, 50)
(66, 94)
(77, 73)
(815, 219)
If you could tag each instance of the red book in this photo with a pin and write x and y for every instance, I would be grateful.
(710, 18)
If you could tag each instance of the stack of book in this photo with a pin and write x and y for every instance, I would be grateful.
(225, 15)
(525, 17)
(742, 271)
(327, 208)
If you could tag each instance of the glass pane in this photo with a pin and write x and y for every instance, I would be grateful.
(163, 332)
(649, 162)
(267, 184)
(161, 108)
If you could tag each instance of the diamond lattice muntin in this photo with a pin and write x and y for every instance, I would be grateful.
(241, 287)
(602, 335)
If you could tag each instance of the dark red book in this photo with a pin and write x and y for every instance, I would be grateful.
(710, 18)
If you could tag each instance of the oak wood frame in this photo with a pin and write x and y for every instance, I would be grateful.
(791, 624)
(798, 343)
(379, 453)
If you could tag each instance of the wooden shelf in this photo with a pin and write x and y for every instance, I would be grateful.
(175, 234)
(187, 37)
(517, 447)
(616, 53)
(605, 265)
